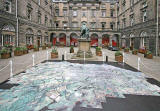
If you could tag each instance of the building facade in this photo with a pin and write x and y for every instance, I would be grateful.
(137, 21)
(25, 22)
(99, 16)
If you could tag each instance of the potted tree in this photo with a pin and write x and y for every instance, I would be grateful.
(98, 51)
(49, 45)
(5, 54)
(118, 56)
(148, 55)
(134, 51)
(36, 48)
(71, 49)
(18, 51)
(25, 50)
(126, 50)
(54, 53)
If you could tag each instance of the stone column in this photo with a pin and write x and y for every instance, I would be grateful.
(67, 40)
(100, 41)
(110, 40)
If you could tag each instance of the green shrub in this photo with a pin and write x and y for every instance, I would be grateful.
(98, 49)
(35, 46)
(54, 50)
(135, 50)
(118, 53)
(71, 47)
(24, 48)
(126, 48)
(4, 50)
(18, 49)
(149, 52)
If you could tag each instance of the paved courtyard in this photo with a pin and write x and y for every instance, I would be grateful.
(150, 67)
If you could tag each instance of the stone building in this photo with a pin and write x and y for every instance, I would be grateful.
(25, 22)
(98, 15)
(137, 23)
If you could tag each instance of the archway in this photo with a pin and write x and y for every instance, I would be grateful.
(143, 39)
(74, 39)
(62, 39)
(94, 40)
(29, 37)
(115, 40)
(8, 35)
(105, 40)
(53, 38)
(131, 41)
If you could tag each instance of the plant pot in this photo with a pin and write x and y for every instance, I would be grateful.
(143, 51)
(126, 50)
(119, 58)
(36, 49)
(131, 48)
(54, 55)
(149, 56)
(43, 47)
(49, 46)
(25, 52)
(98, 53)
(18, 53)
(5, 55)
(134, 52)
(71, 50)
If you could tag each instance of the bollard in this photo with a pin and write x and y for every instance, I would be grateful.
(11, 70)
(138, 63)
(47, 55)
(123, 58)
(33, 60)
(84, 56)
(63, 57)
(106, 58)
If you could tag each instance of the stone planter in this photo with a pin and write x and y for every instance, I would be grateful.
(143, 51)
(119, 58)
(126, 50)
(5, 55)
(49, 46)
(134, 52)
(98, 53)
(43, 47)
(131, 48)
(29, 47)
(54, 55)
(148, 56)
(18, 53)
(36, 49)
(25, 52)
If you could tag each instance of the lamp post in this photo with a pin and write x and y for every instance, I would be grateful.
(157, 32)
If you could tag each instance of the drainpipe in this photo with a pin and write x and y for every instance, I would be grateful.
(157, 32)
(17, 22)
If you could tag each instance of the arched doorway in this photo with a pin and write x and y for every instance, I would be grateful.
(143, 40)
(46, 38)
(74, 39)
(115, 40)
(94, 40)
(53, 39)
(8, 35)
(105, 40)
(131, 41)
(62, 39)
(123, 41)
(39, 38)
(29, 37)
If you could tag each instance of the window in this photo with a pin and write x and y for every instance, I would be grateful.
(65, 24)
(112, 13)
(132, 20)
(104, 13)
(7, 6)
(7, 39)
(29, 11)
(111, 26)
(64, 12)
(131, 2)
(74, 13)
(46, 20)
(93, 13)
(57, 24)
(39, 17)
(46, 2)
(50, 23)
(39, 2)
(144, 15)
(83, 14)
(29, 40)
(103, 24)
(123, 23)
(57, 12)
(51, 9)
(93, 24)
